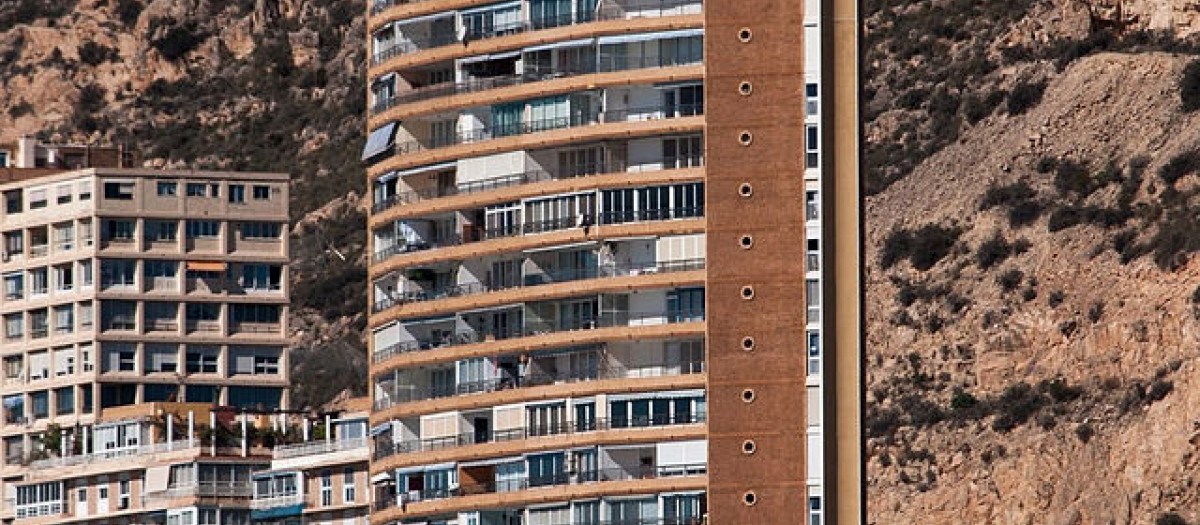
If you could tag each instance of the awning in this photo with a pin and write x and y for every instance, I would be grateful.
(671, 394)
(381, 428)
(493, 56)
(384, 78)
(425, 18)
(156, 478)
(642, 37)
(489, 462)
(382, 477)
(423, 468)
(428, 168)
(490, 7)
(205, 266)
(387, 177)
(379, 140)
(558, 45)
(559, 247)
(682, 83)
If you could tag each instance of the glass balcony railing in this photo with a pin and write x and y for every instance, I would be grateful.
(580, 119)
(385, 449)
(589, 322)
(605, 63)
(397, 395)
(628, 10)
(525, 482)
(544, 226)
(539, 278)
(538, 175)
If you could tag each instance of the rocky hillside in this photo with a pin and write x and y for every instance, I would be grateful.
(246, 84)
(1033, 300)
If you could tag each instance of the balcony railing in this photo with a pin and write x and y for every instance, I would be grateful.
(384, 449)
(658, 112)
(532, 482)
(319, 447)
(605, 63)
(541, 278)
(409, 395)
(639, 9)
(260, 503)
(202, 489)
(591, 322)
(544, 226)
(109, 455)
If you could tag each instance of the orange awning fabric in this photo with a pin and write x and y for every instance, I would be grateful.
(206, 266)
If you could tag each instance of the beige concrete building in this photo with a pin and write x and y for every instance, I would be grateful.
(322, 480)
(615, 262)
(124, 287)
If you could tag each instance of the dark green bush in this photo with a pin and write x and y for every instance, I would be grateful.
(1189, 87)
(1010, 279)
(1170, 518)
(1084, 432)
(129, 11)
(1159, 390)
(1056, 298)
(962, 400)
(1016, 405)
(1180, 166)
(178, 40)
(94, 54)
(1025, 96)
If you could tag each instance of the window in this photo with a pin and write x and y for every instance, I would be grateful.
(117, 272)
(14, 365)
(812, 147)
(63, 194)
(262, 397)
(85, 317)
(85, 191)
(202, 360)
(811, 106)
(39, 403)
(812, 294)
(39, 323)
(214, 190)
(39, 281)
(160, 269)
(814, 352)
(64, 236)
(14, 326)
(64, 401)
(261, 277)
(119, 229)
(64, 318)
(676, 51)
(326, 489)
(14, 286)
(684, 101)
(162, 316)
(37, 199)
(161, 231)
(195, 189)
(203, 229)
(14, 201)
(683, 152)
(686, 304)
(255, 313)
(123, 361)
(162, 358)
(120, 191)
(814, 510)
(262, 193)
(812, 205)
(237, 194)
(14, 243)
(260, 230)
(85, 273)
(118, 315)
(348, 488)
(266, 365)
(167, 189)
(64, 277)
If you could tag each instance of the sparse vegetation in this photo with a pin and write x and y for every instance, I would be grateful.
(1025, 96)
(94, 54)
(923, 247)
(996, 249)
(1084, 432)
(1170, 518)
(1189, 87)
(1010, 279)
(177, 40)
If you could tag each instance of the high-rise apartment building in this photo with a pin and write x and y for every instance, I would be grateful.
(124, 287)
(615, 261)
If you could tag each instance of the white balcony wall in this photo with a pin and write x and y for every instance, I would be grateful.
(490, 166)
(680, 248)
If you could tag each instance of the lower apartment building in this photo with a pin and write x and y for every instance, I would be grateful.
(127, 287)
(322, 480)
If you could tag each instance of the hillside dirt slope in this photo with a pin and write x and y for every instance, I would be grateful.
(1059, 384)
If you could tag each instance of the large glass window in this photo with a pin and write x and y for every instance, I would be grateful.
(203, 229)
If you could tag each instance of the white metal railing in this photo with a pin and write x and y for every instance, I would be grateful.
(277, 501)
(33, 510)
(319, 447)
(108, 455)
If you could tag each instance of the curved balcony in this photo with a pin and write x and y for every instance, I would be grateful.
(571, 434)
(635, 10)
(556, 276)
(609, 70)
(533, 183)
(508, 392)
(606, 326)
(472, 301)
(585, 222)
(545, 137)
(642, 114)
(528, 490)
(399, 394)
